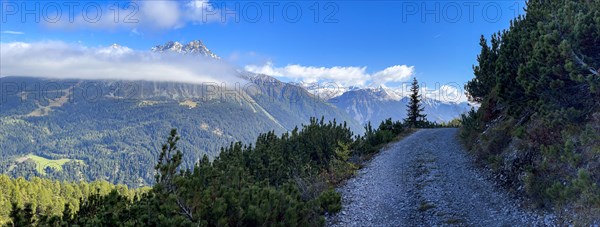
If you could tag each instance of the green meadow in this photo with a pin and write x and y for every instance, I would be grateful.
(41, 163)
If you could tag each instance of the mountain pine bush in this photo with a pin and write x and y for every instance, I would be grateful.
(537, 126)
(282, 180)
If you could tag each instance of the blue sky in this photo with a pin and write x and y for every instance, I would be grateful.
(439, 40)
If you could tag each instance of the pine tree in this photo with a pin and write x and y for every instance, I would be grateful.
(415, 116)
(28, 214)
(16, 216)
(168, 162)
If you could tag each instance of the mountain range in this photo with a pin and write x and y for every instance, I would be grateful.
(73, 129)
(377, 104)
(195, 47)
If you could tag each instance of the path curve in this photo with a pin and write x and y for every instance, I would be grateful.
(427, 179)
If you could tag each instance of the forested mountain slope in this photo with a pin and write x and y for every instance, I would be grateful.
(282, 180)
(538, 126)
(111, 126)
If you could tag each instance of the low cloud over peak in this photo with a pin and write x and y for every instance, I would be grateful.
(341, 75)
(321, 79)
(63, 60)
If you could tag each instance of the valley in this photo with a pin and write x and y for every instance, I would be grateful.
(111, 125)
(112, 131)
(340, 113)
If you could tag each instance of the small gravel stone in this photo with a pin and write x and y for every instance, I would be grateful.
(428, 179)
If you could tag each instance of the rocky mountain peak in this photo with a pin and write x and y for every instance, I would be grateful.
(194, 47)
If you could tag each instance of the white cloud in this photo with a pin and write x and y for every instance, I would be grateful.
(12, 32)
(160, 14)
(396, 73)
(140, 14)
(114, 50)
(357, 76)
(344, 76)
(134, 32)
(137, 16)
(62, 60)
(202, 11)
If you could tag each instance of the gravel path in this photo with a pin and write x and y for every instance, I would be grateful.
(427, 179)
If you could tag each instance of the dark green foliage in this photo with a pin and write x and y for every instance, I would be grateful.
(374, 138)
(454, 123)
(21, 217)
(282, 180)
(538, 87)
(484, 79)
(168, 161)
(330, 201)
(414, 113)
(415, 118)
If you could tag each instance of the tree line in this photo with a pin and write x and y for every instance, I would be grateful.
(283, 180)
(278, 180)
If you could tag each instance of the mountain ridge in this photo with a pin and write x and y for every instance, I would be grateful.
(117, 123)
(194, 47)
(378, 104)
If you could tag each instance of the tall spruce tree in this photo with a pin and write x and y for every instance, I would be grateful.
(415, 116)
